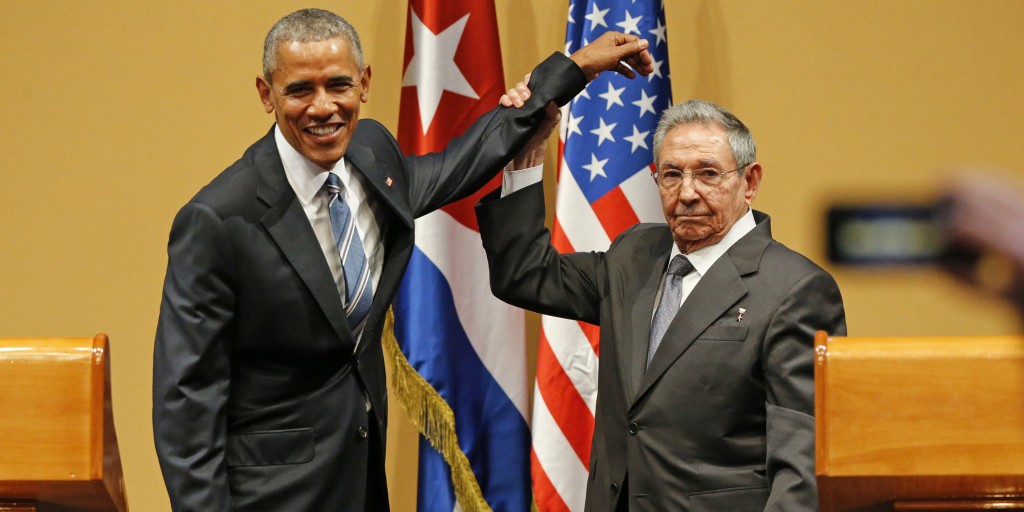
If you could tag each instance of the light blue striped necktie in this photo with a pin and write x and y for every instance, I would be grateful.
(358, 291)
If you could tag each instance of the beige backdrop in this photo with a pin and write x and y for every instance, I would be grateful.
(115, 113)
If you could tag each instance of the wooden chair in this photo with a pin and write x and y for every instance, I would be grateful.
(58, 449)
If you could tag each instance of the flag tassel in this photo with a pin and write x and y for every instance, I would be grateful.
(434, 419)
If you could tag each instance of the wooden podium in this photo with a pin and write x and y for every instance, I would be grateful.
(907, 423)
(58, 449)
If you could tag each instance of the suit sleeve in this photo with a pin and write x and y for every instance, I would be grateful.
(526, 271)
(812, 304)
(191, 368)
(472, 159)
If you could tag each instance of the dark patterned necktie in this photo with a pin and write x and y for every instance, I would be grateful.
(671, 295)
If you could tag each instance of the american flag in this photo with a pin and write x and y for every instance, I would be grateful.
(604, 186)
(466, 344)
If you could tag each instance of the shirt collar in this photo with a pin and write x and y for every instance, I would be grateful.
(306, 178)
(703, 258)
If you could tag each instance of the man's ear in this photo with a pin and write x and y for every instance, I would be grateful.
(265, 90)
(364, 84)
(753, 180)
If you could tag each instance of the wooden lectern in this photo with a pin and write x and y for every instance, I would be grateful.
(58, 449)
(916, 423)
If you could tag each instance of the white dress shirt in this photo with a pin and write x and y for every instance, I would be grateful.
(307, 180)
(702, 259)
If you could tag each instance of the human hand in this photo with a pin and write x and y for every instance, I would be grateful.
(984, 226)
(533, 154)
(611, 52)
(517, 95)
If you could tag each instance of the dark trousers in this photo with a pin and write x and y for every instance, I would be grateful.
(376, 479)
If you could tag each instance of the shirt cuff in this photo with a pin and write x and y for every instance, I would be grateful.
(512, 181)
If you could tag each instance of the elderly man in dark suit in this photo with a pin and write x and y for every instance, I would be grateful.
(268, 383)
(706, 386)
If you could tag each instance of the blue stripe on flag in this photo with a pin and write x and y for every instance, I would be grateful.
(491, 431)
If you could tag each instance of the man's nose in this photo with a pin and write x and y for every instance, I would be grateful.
(323, 105)
(687, 192)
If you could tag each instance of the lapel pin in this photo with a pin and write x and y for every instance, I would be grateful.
(388, 181)
(739, 317)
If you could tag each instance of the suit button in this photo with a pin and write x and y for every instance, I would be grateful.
(362, 432)
(355, 361)
(615, 488)
(633, 428)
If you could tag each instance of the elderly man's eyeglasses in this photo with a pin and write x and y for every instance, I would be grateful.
(707, 178)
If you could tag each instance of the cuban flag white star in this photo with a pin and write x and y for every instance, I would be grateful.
(432, 69)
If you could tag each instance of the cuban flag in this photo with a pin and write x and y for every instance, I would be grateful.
(604, 186)
(466, 344)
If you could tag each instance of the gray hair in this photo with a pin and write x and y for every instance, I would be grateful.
(309, 25)
(703, 112)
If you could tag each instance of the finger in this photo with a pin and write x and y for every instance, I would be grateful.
(515, 97)
(642, 63)
(505, 101)
(643, 69)
(523, 89)
(624, 70)
(635, 54)
(629, 42)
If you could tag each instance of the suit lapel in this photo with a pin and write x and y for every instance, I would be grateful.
(714, 294)
(393, 215)
(289, 227)
(384, 182)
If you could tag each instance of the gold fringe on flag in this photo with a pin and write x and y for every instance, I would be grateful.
(434, 419)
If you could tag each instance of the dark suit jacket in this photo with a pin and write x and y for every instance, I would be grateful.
(259, 403)
(723, 417)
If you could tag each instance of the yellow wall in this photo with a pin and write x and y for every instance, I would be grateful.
(115, 113)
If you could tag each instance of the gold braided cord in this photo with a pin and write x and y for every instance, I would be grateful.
(433, 418)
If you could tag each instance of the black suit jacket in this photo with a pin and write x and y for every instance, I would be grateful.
(723, 417)
(258, 400)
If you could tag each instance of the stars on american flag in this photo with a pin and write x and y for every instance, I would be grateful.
(646, 103)
(613, 96)
(604, 132)
(638, 139)
(630, 25)
(610, 125)
(596, 18)
(604, 187)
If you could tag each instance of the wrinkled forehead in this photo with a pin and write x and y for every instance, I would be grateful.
(696, 144)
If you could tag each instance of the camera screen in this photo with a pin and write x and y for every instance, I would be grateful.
(884, 235)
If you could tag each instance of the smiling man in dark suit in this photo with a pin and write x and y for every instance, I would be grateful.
(268, 382)
(706, 387)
